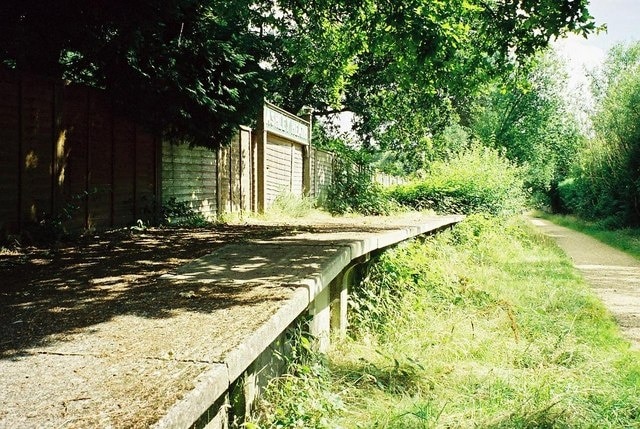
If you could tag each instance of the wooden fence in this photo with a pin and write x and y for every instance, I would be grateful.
(321, 174)
(211, 182)
(67, 156)
(388, 180)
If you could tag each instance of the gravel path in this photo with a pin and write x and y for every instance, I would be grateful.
(613, 275)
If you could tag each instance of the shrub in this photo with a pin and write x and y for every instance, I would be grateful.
(602, 188)
(478, 179)
(181, 213)
(605, 183)
(353, 190)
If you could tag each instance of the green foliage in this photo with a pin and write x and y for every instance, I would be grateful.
(403, 68)
(590, 197)
(415, 157)
(528, 116)
(194, 70)
(605, 182)
(354, 190)
(290, 205)
(478, 179)
(302, 398)
(181, 213)
(186, 69)
(484, 325)
(53, 227)
(501, 331)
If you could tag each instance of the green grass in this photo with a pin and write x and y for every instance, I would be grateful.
(487, 325)
(626, 239)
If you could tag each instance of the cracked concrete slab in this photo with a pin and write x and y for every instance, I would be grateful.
(164, 358)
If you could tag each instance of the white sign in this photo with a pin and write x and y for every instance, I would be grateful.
(285, 124)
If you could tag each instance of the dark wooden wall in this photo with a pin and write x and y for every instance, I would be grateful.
(66, 155)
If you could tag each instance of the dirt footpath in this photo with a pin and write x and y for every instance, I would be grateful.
(613, 275)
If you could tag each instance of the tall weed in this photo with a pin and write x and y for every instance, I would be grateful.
(353, 190)
(486, 325)
(302, 398)
(478, 179)
(503, 332)
(291, 205)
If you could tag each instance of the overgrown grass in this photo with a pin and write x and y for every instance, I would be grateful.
(487, 325)
(625, 239)
(290, 205)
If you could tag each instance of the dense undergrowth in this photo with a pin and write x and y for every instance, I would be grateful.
(476, 179)
(486, 325)
(604, 181)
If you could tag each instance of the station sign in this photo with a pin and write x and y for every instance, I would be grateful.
(284, 124)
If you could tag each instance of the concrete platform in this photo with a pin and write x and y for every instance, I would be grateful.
(235, 303)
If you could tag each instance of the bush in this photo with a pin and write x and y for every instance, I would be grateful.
(353, 190)
(602, 188)
(478, 179)
(181, 213)
(605, 182)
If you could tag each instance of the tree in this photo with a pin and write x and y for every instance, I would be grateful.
(528, 116)
(613, 162)
(404, 67)
(187, 69)
(196, 69)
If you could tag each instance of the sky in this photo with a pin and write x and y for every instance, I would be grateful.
(622, 18)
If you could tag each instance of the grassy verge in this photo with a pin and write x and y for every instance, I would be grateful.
(626, 239)
(487, 325)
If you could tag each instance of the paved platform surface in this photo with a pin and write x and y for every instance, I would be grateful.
(614, 275)
(143, 367)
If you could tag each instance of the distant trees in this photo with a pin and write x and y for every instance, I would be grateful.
(528, 116)
(605, 181)
(196, 69)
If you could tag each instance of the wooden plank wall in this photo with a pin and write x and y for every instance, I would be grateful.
(10, 159)
(283, 163)
(246, 169)
(322, 172)
(190, 175)
(65, 154)
(211, 182)
(235, 173)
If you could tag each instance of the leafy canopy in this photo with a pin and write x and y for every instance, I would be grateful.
(404, 67)
(527, 115)
(197, 69)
